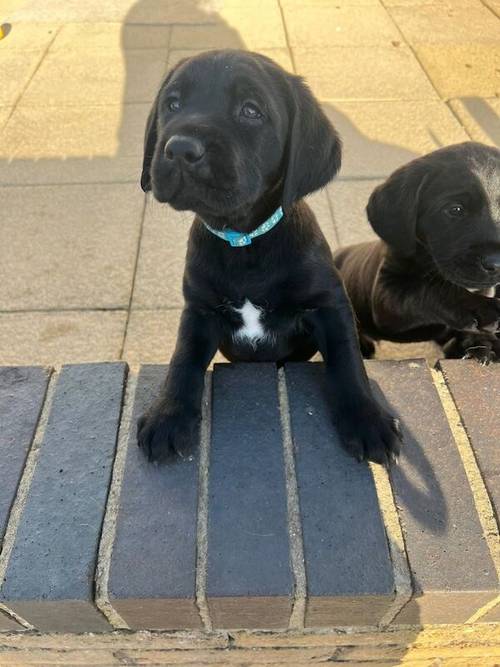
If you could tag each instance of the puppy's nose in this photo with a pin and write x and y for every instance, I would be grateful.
(491, 263)
(188, 149)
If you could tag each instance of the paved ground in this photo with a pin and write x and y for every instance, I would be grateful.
(90, 269)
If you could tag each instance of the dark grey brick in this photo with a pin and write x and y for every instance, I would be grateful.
(50, 574)
(22, 391)
(452, 570)
(153, 566)
(249, 581)
(348, 568)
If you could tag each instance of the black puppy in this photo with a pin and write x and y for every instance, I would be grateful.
(233, 137)
(434, 274)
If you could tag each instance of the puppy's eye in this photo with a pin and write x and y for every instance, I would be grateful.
(251, 111)
(455, 211)
(173, 104)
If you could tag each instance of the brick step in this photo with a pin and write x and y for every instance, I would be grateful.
(270, 525)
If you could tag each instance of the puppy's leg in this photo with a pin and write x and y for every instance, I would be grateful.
(402, 305)
(367, 346)
(171, 424)
(366, 430)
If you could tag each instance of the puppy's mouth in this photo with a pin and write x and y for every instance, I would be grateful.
(473, 279)
(189, 190)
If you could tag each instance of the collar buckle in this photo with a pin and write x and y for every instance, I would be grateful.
(237, 239)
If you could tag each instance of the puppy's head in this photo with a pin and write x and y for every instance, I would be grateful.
(230, 128)
(447, 204)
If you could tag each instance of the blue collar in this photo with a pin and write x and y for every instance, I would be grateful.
(239, 239)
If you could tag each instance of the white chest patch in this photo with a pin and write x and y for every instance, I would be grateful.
(489, 175)
(252, 330)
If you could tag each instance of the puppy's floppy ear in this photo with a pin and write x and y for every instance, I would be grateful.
(392, 209)
(314, 147)
(151, 134)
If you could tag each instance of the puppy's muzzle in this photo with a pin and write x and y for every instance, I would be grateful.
(189, 151)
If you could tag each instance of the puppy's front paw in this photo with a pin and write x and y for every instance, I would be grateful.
(370, 433)
(485, 351)
(481, 353)
(162, 435)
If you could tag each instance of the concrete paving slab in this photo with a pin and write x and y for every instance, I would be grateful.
(239, 25)
(446, 23)
(338, 3)
(113, 36)
(71, 171)
(5, 112)
(321, 208)
(28, 37)
(364, 73)
(61, 337)
(49, 579)
(452, 571)
(128, 11)
(152, 578)
(378, 137)
(450, 4)
(480, 117)
(463, 70)
(333, 24)
(35, 132)
(151, 336)
(281, 56)
(249, 579)
(100, 76)
(431, 352)
(347, 583)
(60, 249)
(249, 35)
(160, 267)
(349, 200)
(16, 69)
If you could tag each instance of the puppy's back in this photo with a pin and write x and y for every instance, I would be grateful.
(358, 265)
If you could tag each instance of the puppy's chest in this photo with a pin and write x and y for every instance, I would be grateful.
(258, 324)
(250, 323)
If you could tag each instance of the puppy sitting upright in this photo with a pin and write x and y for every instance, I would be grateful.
(237, 140)
(434, 275)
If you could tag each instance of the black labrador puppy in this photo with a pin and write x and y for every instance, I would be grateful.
(236, 139)
(435, 273)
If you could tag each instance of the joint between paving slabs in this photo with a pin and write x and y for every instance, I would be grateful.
(202, 513)
(108, 532)
(478, 488)
(395, 539)
(22, 493)
(297, 616)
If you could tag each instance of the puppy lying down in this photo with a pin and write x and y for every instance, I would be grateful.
(435, 273)
(234, 138)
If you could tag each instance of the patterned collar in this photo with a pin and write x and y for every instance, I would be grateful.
(239, 239)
